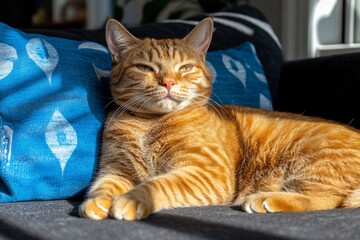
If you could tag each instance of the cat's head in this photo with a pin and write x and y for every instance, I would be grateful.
(159, 76)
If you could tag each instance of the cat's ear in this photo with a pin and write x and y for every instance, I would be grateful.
(118, 39)
(200, 36)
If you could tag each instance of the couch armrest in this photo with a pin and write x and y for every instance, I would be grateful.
(327, 87)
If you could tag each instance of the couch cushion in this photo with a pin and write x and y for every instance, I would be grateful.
(326, 87)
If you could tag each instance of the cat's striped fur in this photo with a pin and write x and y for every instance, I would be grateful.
(166, 147)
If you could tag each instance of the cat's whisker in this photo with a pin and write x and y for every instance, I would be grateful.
(109, 103)
(218, 98)
(125, 106)
(131, 102)
(213, 104)
(146, 101)
(121, 96)
(199, 105)
(113, 114)
(126, 90)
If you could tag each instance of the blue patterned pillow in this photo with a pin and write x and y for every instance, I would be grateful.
(238, 77)
(52, 97)
(51, 114)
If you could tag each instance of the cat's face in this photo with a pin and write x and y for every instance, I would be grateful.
(159, 76)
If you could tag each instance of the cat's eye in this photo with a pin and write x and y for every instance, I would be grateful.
(144, 68)
(186, 68)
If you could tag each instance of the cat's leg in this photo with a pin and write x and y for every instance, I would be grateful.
(100, 196)
(177, 189)
(271, 202)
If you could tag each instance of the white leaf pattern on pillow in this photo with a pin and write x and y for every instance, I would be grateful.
(6, 136)
(94, 46)
(44, 55)
(9, 133)
(261, 77)
(213, 71)
(239, 72)
(61, 138)
(100, 73)
(265, 103)
(7, 56)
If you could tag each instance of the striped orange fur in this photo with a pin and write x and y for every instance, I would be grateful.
(165, 146)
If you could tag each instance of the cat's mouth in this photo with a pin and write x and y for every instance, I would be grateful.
(163, 101)
(169, 97)
(167, 104)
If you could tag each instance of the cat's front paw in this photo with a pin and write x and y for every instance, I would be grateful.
(271, 202)
(265, 203)
(130, 207)
(96, 208)
(254, 204)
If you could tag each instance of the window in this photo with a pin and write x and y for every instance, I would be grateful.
(314, 28)
(342, 22)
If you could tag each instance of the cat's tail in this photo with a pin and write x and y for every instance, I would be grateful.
(352, 200)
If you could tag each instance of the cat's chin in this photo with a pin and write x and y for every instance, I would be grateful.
(167, 105)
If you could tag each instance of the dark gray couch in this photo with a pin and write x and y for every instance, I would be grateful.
(59, 220)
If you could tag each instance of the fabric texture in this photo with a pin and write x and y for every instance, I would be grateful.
(51, 114)
(58, 220)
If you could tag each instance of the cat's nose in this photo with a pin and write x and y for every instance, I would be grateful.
(168, 83)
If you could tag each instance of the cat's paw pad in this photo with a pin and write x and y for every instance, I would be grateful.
(127, 207)
(96, 208)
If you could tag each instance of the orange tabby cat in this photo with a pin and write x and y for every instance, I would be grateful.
(167, 147)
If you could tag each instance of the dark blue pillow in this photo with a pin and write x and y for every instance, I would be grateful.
(238, 77)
